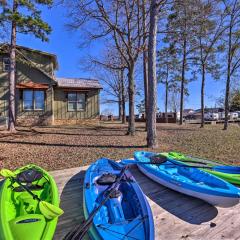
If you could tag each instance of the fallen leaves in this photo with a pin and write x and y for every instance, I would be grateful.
(60, 147)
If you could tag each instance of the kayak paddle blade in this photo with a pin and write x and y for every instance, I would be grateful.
(49, 211)
(7, 173)
(177, 155)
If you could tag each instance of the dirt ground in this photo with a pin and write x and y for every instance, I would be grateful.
(62, 147)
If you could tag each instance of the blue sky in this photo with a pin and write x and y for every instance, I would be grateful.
(65, 45)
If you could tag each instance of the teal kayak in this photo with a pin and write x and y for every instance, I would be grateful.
(187, 180)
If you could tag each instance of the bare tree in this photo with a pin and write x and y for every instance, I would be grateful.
(120, 21)
(114, 83)
(110, 68)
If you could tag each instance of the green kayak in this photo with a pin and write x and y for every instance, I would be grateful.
(228, 173)
(21, 216)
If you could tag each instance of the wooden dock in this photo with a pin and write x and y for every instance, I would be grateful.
(176, 216)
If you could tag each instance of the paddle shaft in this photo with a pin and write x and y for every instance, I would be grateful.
(189, 166)
(172, 163)
(79, 234)
(26, 188)
(191, 159)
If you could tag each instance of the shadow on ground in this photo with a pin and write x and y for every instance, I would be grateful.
(186, 208)
(69, 145)
(72, 205)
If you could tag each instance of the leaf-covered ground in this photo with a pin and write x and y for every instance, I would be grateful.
(71, 146)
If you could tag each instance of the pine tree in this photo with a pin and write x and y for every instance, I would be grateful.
(208, 30)
(232, 39)
(24, 17)
(181, 21)
(168, 72)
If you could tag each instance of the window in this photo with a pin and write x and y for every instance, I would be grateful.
(76, 101)
(33, 100)
(6, 64)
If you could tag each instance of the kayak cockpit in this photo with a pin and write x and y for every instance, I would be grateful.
(21, 211)
(121, 215)
(118, 208)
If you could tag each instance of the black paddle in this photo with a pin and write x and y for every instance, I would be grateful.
(160, 160)
(80, 231)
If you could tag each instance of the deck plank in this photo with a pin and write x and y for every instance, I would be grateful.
(176, 216)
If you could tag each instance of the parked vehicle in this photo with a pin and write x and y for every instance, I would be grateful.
(211, 116)
(222, 115)
(234, 115)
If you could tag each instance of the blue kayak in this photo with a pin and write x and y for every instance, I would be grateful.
(126, 214)
(191, 181)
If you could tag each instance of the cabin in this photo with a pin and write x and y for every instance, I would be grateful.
(41, 97)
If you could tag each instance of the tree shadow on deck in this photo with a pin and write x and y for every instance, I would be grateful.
(189, 209)
(72, 205)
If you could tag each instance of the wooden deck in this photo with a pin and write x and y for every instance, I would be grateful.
(176, 216)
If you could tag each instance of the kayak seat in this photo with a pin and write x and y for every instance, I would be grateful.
(28, 227)
(29, 176)
(106, 179)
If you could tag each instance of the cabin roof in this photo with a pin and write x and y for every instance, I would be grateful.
(82, 83)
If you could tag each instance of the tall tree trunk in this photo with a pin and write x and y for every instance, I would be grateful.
(183, 80)
(166, 103)
(227, 91)
(119, 96)
(145, 61)
(120, 108)
(152, 77)
(123, 98)
(12, 76)
(131, 93)
(202, 96)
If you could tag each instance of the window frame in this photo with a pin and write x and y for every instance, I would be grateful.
(6, 64)
(76, 101)
(34, 109)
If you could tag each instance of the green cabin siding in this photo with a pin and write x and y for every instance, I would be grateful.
(55, 98)
(61, 106)
(25, 73)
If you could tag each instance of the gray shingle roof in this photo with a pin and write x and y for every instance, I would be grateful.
(78, 83)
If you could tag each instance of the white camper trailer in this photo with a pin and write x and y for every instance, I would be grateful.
(211, 116)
